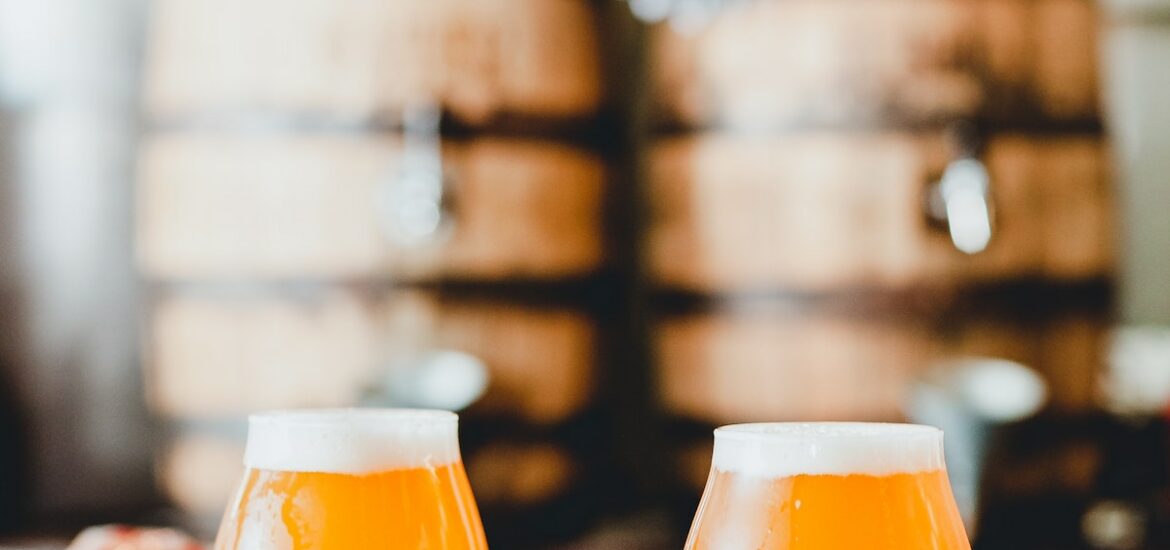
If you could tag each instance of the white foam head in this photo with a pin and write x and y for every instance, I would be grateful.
(827, 448)
(351, 441)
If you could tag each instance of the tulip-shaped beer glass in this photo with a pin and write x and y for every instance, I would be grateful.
(352, 480)
(827, 486)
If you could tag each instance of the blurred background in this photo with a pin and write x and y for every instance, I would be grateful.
(597, 229)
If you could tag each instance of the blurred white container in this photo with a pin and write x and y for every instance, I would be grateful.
(1136, 382)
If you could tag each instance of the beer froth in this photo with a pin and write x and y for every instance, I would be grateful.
(351, 441)
(826, 448)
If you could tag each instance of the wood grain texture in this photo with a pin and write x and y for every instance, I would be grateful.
(211, 356)
(748, 366)
(726, 368)
(813, 63)
(255, 206)
(827, 212)
(356, 59)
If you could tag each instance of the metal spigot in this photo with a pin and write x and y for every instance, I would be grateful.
(961, 199)
(414, 203)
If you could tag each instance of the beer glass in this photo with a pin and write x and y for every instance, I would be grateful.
(352, 480)
(826, 486)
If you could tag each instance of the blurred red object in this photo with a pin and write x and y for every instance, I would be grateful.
(120, 537)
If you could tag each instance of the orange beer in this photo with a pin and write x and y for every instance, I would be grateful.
(827, 486)
(352, 480)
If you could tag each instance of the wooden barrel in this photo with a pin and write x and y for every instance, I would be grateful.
(776, 64)
(724, 366)
(214, 204)
(222, 355)
(357, 60)
(288, 148)
(825, 212)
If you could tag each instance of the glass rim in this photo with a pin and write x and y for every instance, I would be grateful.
(832, 430)
(312, 417)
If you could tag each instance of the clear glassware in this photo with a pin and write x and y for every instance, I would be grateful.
(791, 486)
(353, 479)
